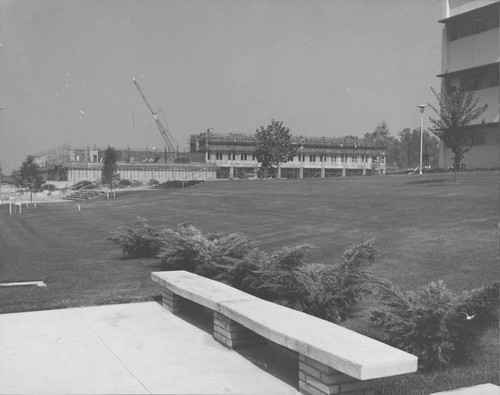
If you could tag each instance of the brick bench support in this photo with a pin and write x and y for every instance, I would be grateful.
(233, 335)
(316, 378)
(177, 304)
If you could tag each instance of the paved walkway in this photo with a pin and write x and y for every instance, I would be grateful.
(136, 348)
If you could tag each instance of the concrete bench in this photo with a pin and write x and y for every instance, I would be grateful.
(332, 359)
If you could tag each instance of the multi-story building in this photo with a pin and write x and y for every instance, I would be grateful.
(74, 164)
(316, 157)
(470, 60)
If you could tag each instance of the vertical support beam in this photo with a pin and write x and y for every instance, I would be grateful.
(364, 171)
(301, 172)
(322, 171)
(316, 378)
(233, 335)
(344, 172)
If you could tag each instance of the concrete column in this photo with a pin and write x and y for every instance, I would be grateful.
(233, 335)
(344, 172)
(301, 172)
(364, 171)
(278, 175)
(231, 172)
(316, 378)
(177, 304)
(322, 171)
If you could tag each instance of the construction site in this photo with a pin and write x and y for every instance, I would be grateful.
(212, 156)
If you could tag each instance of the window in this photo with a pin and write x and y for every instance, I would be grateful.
(479, 80)
(467, 28)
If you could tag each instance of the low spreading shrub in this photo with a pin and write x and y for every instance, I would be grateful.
(187, 247)
(143, 242)
(329, 291)
(48, 187)
(433, 323)
(124, 183)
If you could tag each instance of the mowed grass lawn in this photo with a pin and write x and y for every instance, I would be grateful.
(426, 228)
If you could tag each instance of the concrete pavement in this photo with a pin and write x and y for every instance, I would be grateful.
(136, 348)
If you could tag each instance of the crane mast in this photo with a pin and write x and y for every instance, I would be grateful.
(169, 140)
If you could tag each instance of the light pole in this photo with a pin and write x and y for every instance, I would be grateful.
(422, 108)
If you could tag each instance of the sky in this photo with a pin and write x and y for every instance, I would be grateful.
(323, 68)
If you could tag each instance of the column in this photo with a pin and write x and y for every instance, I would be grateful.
(233, 335)
(177, 304)
(315, 378)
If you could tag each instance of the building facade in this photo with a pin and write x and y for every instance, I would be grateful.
(316, 157)
(471, 60)
(74, 164)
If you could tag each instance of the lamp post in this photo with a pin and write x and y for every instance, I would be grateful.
(422, 108)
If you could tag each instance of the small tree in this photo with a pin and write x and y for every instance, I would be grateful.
(110, 168)
(29, 174)
(456, 111)
(274, 145)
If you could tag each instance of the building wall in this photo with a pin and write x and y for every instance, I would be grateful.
(472, 51)
(143, 173)
(467, 55)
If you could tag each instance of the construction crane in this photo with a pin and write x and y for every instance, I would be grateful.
(169, 140)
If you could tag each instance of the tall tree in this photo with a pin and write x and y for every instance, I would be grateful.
(410, 148)
(456, 110)
(274, 145)
(382, 139)
(29, 174)
(109, 172)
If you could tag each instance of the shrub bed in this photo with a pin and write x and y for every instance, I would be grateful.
(437, 325)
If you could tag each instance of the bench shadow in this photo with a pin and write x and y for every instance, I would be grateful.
(270, 357)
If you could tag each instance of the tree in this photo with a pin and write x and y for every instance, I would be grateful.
(274, 145)
(29, 175)
(382, 139)
(110, 168)
(410, 148)
(456, 110)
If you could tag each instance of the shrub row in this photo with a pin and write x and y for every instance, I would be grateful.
(438, 326)
(328, 291)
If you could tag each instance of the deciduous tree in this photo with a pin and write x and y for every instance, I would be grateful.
(29, 174)
(110, 168)
(456, 110)
(274, 145)
(382, 139)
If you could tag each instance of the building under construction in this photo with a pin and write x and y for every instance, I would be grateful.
(74, 164)
(316, 157)
(215, 156)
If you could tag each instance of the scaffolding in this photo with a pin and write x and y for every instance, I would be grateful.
(241, 143)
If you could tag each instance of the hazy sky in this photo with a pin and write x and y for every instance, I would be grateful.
(324, 68)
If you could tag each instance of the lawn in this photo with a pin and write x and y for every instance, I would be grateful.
(426, 228)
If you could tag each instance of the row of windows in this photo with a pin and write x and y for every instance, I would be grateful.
(467, 28)
(485, 136)
(479, 80)
(301, 157)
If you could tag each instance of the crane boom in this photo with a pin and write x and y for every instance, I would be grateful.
(169, 140)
